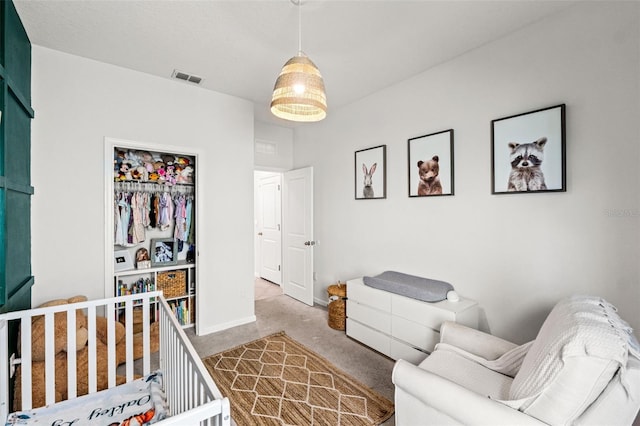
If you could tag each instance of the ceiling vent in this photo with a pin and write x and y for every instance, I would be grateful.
(186, 77)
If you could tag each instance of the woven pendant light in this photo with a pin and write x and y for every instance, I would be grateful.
(299, 93)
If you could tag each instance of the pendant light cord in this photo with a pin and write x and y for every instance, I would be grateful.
(300, 27)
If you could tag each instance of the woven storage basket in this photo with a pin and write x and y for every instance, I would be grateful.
(172, 283)
(338, 307)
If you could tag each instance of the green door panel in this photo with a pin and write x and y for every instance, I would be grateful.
(18, 224)
(17, 153)
(17, 53)
(15, 162)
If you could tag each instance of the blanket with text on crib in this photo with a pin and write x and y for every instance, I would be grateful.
(139, 402)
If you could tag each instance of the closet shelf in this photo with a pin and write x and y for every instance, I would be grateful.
(180, 265)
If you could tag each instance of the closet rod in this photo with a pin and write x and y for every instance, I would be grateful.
(152, 187)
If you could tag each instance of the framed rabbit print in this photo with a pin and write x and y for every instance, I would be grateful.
(371, 173)
(431, 164)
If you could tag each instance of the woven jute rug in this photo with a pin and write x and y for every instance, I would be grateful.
(278, 381)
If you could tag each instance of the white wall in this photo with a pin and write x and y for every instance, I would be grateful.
(78, 102)
(516, 254)
(282, 140)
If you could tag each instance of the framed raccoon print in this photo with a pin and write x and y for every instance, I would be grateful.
(528, 152)
(431, 164)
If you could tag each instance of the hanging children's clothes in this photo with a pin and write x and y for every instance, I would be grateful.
(155, 210)
(123, 217)
(180, 231)
(146, 209)
(136, 231)
(189, 223)
(165, 213)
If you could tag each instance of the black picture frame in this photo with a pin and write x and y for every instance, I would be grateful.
(528, 152)
(430, 164)
(370, 169)
(163, 252)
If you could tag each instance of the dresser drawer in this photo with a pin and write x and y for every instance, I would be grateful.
(372, 338)
(424, 313)
(373, 318)
(378, 299)
(417, 335)
(400, 350)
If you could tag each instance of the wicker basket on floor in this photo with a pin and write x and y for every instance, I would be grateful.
(337, 306)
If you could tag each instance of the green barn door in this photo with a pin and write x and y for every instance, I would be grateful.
(15, 162)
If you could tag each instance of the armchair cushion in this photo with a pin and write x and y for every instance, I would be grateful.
(425, 398)
(474, 341)
(467, 373)
(581, 345)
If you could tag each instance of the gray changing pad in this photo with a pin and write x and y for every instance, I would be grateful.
(419, 288)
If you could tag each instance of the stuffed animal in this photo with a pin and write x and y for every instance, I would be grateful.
(118, 158)
(185, 175)
(82, 354)
(170, 176)
(167, 158)
(140, 173)
(183, 161)
(134, 158)
(125, 169)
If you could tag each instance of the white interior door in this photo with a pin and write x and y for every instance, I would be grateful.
(269, 228)
(297, 197)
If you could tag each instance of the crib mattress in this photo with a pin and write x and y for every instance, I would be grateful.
(135, 403)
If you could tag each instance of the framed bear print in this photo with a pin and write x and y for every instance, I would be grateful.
(431, 164)
(371, 173)
(528, 152)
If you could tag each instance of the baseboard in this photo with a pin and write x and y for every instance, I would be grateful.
(320, 302)
(226, 325)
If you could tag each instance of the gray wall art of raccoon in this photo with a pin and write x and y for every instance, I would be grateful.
(526, 160)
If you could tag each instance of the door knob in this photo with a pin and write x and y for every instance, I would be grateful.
(260, 234)
(309, 243)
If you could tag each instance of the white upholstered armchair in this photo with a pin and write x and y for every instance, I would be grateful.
(583, 368)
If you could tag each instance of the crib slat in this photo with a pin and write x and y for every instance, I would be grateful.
(146, 357)
(71, 355)
(50, 362)
(4, 362)
(25, 345)
(92, 361)
(128, 315)
(111, 345)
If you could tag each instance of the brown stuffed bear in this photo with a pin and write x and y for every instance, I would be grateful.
(82, 354)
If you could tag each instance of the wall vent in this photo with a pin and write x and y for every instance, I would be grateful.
(265, 148)
(186, 77)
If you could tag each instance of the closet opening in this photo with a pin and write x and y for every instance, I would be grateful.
(151, 225)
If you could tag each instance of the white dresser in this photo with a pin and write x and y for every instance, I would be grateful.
(399, 326)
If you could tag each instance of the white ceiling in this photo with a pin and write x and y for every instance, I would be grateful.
(239, 46)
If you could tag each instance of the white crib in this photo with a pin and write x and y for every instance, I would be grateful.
(192, 396)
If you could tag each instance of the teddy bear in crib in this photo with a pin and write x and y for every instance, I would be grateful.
(82, 354)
